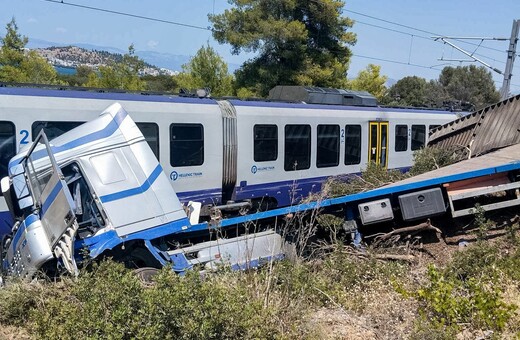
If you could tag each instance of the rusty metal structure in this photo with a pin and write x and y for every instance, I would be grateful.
(480, 132)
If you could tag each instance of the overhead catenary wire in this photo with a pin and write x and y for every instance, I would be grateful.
(397, 62)
(61, 2)
(418, 29)
(421, 37)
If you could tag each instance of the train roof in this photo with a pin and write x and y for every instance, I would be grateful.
(99, 94)
(238, 102)
(83, 93)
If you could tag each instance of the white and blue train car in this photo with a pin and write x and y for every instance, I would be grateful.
(288, 150)
(218, 152)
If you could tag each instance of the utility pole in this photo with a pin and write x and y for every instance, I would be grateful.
(511, 54)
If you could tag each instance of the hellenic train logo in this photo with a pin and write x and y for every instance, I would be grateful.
(174, 175)
(255, 169)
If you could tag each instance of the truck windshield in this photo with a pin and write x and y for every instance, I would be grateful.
(39, 169)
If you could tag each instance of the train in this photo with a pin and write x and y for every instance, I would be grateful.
(230, 153)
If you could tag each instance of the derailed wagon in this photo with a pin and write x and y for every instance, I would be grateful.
(98, 191)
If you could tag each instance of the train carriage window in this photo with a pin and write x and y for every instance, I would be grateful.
(52, 129)
(265, 143)
(352, 144)
(418, 136)
(401, 138)
(297, 147)
(328, 146)
(186, 144)
(150, 132)
(7, 146)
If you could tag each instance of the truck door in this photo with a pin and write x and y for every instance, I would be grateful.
(378, 143)
(52, 196)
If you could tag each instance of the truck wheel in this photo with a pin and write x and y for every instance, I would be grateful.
(146, 274)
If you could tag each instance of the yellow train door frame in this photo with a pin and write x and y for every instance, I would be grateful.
(378, 143)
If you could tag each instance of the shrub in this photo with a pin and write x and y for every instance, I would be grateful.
(372, 177)
(428, 159)
(449, 301)
(477, 261)
(16, 302)
(112, 303)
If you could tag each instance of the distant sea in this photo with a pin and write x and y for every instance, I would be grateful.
(65, 70)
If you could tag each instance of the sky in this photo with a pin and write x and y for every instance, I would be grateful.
(395, 34)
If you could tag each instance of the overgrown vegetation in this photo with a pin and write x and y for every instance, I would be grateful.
(339, 291)
(427, 159)
(372, 177)
(375, 176)
(477, 291)
(111, 302)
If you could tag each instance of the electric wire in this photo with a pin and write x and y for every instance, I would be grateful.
(418, 29)
(130, 15)
(421, 37)
(435, 67)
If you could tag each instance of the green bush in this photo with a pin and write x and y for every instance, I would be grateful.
(372, 177)
(16, 302)
(428, 159)
(111, 302)
(477, 261)
(449, 301)
(337, 279)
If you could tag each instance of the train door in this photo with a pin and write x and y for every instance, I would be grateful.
(378, 143)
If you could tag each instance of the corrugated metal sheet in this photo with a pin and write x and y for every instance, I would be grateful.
(491, 128)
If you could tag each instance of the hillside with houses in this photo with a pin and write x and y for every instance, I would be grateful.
(72, 57)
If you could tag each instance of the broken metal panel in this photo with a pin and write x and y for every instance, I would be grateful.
(491, 128)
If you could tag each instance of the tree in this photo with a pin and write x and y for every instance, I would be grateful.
(38, 70)
(469, 84)
(160, 83)
(300, 42)
(206, 69)
(80, 78)
(408, 91)
(19, 66)
(120, 75)
(417, 92)
(370, 80)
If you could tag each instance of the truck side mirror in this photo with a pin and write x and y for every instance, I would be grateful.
(5, 185)
(21, 189)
